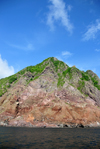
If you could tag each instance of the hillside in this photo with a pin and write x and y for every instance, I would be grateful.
(50, 94)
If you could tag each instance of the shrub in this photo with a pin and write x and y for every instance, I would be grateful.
(1, 93)
(22, 71)
(60, 80)
(85, 77)
(68, 70)
(12, 79)
(95, 82)
(8, 86)
(58, 64)
(97, 86)
(81, 84)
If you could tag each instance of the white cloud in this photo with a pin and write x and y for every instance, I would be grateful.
(92, 31)
(97, 50)
(59, 12)
(64, 56)
(5, 69)
(28, 47)
(66, 53)
(62, 59)
(69, 7)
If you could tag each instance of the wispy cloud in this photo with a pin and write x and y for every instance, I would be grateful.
(64, 57)
(97, 50)
(26, 48)
(64, 60)
(58, 12)
(5, 69)
(92, 31)
(69, 7)
(66, 53)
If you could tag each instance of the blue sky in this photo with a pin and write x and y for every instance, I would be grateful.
(33, 30)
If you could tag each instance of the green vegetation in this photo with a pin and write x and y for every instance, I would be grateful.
(94, 79)
(81, 85)
(68, 71)
(60, 80)
(85, 77)
(72, 84)
(12, 79)
(60, 68)
(71, 71)
(67, 103)
(1, 93)
(58, 64)
(22, 72)
(95, 82)
(8, 86)
(37, 69)
(5, 83)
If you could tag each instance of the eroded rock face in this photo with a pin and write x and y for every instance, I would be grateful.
(41, 103)
(33, 106)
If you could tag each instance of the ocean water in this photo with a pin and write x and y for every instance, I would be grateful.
(49, 138)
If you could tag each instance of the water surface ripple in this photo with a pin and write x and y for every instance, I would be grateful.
(49, 138)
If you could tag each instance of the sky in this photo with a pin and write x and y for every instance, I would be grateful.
(33, 30)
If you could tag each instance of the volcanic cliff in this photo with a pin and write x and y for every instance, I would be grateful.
(50, 94)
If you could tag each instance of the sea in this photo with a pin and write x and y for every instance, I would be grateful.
(49, 138)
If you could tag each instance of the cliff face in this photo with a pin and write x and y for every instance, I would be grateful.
(50, 94)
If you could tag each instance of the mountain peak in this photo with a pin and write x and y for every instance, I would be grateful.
(61, 93)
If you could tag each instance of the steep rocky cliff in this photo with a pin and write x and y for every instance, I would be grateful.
(50, 94)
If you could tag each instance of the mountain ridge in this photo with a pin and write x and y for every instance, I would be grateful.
(55, 90)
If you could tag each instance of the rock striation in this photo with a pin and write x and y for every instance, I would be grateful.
(50, 94)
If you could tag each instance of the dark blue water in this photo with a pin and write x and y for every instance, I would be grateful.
(51, 138)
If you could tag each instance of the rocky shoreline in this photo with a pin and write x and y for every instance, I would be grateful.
(45, 125)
